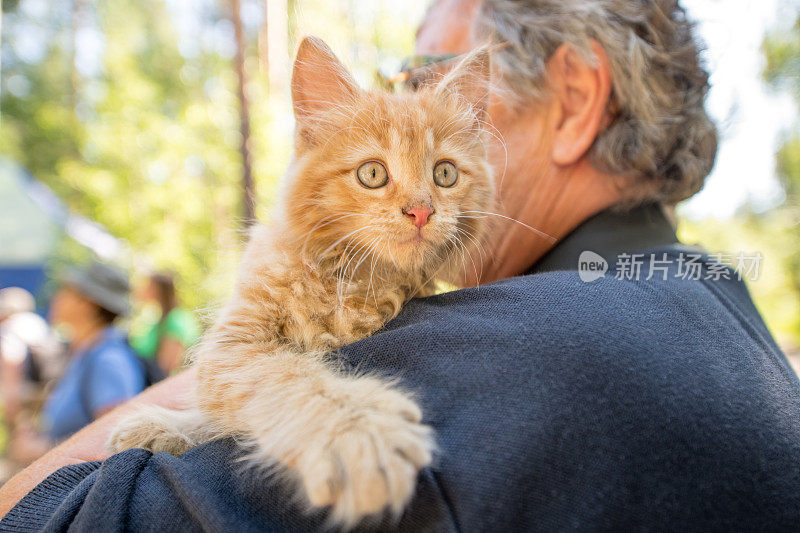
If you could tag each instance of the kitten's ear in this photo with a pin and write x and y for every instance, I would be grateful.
(319, 81)
(470, 80)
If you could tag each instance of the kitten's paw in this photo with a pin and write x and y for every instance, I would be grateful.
(155, 429)
(368, 459)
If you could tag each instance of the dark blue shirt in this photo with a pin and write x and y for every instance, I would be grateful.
(656, 404)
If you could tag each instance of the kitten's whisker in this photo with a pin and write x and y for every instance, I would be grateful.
(371, 272)
(338, 242)
(538, 232)
(465, 231)
(364, 256)
(363, 249)
(464, 254)
(321, 224)
(385, 247)
(340, 269)
(389, 250)
(358, 246)
(355, 253)
(423, 284)
(477, 243)
(494, 132)
(458, 248)
(468, 254)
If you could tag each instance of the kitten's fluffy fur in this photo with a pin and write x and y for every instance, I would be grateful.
(335, 264)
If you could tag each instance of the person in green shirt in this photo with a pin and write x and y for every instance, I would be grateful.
(165, 330)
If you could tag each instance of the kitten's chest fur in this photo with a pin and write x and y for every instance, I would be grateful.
(317, 305)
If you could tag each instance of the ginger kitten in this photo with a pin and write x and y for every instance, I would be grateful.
(381, 197)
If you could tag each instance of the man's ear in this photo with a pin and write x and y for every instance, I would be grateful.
(580, 96)
(319, 81)
(470, 80)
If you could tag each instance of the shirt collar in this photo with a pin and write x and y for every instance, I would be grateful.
(102, 336)
(610, 233)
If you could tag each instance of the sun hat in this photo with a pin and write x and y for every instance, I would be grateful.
(105, 285)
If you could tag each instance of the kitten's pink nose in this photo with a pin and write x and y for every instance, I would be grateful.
(419, 214)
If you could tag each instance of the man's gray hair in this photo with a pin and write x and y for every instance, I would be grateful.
(660, 131)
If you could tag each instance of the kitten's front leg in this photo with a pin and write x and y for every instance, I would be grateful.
(368, 455)
(357, 443)
(159, 429)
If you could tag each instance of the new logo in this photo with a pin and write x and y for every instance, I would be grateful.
(591, 266)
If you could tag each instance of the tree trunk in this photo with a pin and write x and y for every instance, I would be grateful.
(248, 185)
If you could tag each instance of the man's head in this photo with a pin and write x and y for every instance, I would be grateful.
(599, 102)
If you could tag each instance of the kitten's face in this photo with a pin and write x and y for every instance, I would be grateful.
(397, 179)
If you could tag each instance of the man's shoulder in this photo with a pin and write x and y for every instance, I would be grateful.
(553, 329)
(592, 388)
(559, 307)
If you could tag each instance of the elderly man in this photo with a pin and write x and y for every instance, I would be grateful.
(617, 380)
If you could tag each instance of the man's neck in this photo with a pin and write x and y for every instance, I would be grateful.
(554, 205)
(84, 334)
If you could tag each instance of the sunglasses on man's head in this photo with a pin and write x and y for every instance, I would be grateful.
(416, 70)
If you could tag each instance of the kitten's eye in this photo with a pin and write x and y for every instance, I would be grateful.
(445, 174)
(372, 175)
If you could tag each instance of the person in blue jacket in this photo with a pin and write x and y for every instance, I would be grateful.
(615, 380)
(103, 370)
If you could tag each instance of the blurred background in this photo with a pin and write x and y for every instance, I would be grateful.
(146, 133)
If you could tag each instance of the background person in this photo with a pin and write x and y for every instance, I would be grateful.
(103, 371)
(168, 329)
(30, 353)
(31, 358)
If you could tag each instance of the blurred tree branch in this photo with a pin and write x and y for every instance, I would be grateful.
(248, 184)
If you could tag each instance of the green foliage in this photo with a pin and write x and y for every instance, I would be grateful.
(782, 53)
(148, 148)
(781, 228)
